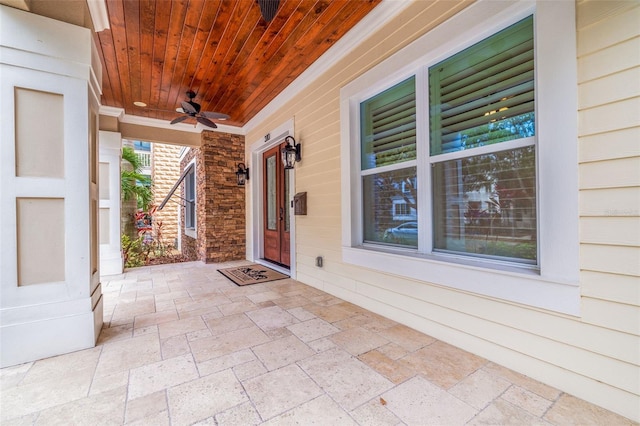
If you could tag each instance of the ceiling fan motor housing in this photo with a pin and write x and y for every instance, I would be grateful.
(191, 94)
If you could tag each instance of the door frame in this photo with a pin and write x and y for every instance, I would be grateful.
(256, 217)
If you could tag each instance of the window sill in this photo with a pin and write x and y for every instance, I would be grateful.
(191, 232)
(524, 285)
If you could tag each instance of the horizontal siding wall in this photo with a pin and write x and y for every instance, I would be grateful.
(594, 357)
(609, 155)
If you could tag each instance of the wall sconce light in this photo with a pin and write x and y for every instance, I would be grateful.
(290, 153)
(242, 174)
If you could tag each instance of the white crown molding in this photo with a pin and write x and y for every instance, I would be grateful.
(379, 16)
(112, 111)
(163, 124)
(99, 16)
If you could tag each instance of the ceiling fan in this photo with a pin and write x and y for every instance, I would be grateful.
(268, 8)
(192, 109)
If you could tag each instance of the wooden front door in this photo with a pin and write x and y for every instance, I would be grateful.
(277, 219)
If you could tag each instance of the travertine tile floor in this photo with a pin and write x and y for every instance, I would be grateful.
(183, 345)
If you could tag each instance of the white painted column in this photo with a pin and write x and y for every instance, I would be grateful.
(111, 260)
(50, 293)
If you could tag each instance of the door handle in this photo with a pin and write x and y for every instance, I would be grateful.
(281, 213)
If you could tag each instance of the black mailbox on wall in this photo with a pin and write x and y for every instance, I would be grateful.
(300, 203)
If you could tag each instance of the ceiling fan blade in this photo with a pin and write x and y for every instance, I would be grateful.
(268, 8)
(206, 122)
(215, 115)
(179, 119)
(188, 108)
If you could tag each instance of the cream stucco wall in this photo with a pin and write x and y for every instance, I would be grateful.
(593, 355)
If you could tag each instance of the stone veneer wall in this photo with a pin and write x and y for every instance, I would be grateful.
(165, 171)
(220, 202)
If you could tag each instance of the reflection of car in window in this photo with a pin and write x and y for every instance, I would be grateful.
(405, 233)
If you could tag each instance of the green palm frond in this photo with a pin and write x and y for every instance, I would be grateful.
(133, 183)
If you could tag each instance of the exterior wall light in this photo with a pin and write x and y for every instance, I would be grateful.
(242, 174)
(290, 153)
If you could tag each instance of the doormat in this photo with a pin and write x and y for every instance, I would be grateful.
(251, 274)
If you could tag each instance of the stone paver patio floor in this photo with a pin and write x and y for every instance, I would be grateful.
(183, 345)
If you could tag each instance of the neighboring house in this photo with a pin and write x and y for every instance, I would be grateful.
(143, 151)
(547, 283)
(165, 170)
(161, 164)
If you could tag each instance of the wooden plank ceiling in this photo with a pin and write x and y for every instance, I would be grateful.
(236, 62)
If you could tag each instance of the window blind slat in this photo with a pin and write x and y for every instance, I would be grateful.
(495, 83)
(470, 124)
(400, 120)
(477, 71)
(404, 138)
(490, 111)
(393, 107)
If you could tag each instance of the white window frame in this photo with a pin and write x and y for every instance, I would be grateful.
(553, 285)
(191, 231)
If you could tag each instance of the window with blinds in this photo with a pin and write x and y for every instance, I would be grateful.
(388, 139)
(190, 199)
(389, 126)
(485, 205)
(484, 94)
(482, 202)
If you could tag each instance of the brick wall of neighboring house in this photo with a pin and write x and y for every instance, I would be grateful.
(220, 202)
(165, 171)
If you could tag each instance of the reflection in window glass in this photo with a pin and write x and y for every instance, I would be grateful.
(381, 192)
(190, 199)
(486, 205)
(388, 130)
(271, 193)
(485, 94)
(287, 197)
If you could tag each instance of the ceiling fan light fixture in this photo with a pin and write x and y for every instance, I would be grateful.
(140, 104)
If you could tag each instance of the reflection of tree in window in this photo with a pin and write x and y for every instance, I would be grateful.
(496, 193)
(380, 190)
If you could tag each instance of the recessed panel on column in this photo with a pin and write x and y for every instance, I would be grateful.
(41, 246)
(93, 148)
(105, 229)
(104, 186)
(94, 236)
(39, 149)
